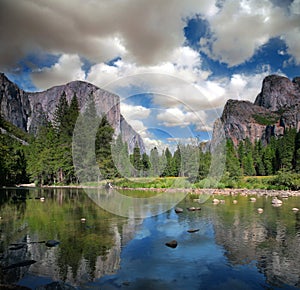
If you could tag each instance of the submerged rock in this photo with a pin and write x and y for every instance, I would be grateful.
(172, 244)
(52, 243)
(215, 201)
(193, 230)
(178, 210)
(260, 210)
(276, 201)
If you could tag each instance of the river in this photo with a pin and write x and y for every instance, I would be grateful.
(232, 246)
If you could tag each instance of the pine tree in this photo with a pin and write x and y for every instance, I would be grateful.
(297, 153)
(136, 160)
(232, 161)
(176, 162)
(268, 159)
(168, 167)
(145, 164)
(204, 164)
(60, 122)
(104, 138)
(154, 161)
(286, 149)
(72, 115)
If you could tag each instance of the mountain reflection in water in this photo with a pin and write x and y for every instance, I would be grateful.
(234, 248)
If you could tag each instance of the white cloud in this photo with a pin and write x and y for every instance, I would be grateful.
(68, 68)
(241, 27)
(131, 112)
(140, 31)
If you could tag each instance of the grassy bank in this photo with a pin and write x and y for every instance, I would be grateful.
(282, 181)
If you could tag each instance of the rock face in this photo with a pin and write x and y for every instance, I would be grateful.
(276, 108)
(29, 111)
(14, 103)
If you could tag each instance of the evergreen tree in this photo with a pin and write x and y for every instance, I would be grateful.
(145, 164)
(204, 164)
(84, 143)
(297, 153)
(41, 165)
(248, 166)
(136, 160)
(104, 138)
(60, 122)
(232, 161)
(241, 154)
(286, 149)
(168, 167)
(12, 161)
(258, 158)
(268, 159)
(72, 115)
(121, 157)
(154, 161)
(176, 162)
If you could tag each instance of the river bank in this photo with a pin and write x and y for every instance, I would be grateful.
(209, 191)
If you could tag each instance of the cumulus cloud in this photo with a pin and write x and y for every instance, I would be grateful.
(139, 30)
(68, 68)
(131, 112)
(241, 27)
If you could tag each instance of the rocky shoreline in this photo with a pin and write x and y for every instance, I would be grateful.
(210, 191)
(225, 191)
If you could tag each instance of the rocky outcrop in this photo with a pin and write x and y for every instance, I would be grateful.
(127, 130)
(276, 108)
(14, 103)
(29, 111)
(278, 92)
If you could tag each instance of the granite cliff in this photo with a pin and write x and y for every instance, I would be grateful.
(276, 108)
(28, 110)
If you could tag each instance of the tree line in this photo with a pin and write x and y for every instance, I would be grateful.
(48, 157)
(280, 154)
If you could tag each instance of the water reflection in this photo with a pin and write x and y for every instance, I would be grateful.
(235, 247)
(86, 251)
(271, 239)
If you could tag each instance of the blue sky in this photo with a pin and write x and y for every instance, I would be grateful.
(174, 63)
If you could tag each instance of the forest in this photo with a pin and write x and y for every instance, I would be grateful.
(46, 159)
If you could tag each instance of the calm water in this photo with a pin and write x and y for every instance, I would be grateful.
(235, 247)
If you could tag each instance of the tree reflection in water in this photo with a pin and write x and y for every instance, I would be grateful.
(90, 251)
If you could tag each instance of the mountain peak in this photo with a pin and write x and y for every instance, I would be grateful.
(278, 92)
(29, 111)
(275, 109)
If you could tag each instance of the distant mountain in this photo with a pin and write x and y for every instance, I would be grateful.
(276, 108)
(28, 111)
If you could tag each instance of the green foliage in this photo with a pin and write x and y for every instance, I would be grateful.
(266, 119)
(286, 180)
(232, 162)
(286, 149)
(12, 161)
(14, 131)
(104, 138)
(204, 163)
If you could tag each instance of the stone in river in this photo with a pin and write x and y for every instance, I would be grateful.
(172, 244)
(52, 243)
(193, 230)
(178, 210)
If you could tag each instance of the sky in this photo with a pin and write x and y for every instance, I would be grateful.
(173, 63)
